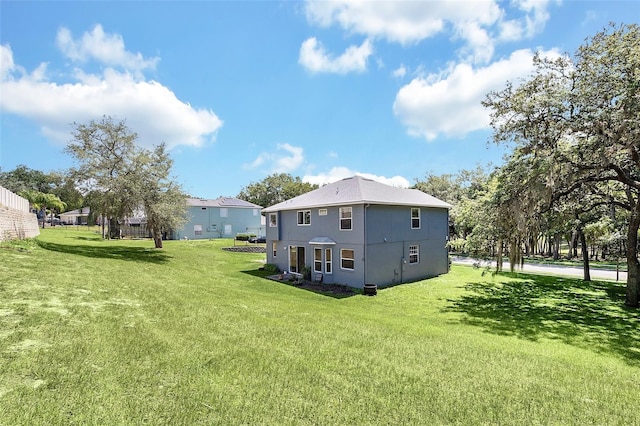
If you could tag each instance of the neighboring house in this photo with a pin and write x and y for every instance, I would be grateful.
(223, 217)
(358, 231)
(75, 217)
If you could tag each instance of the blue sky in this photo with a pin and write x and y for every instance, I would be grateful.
(238, 90)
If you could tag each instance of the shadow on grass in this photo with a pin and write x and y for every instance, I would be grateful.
(585, 314)
(330, 290)
(133, 254)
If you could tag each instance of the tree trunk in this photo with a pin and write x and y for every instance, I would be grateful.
(585, 255)
(156, 232)
(499, 257)
(556, 247)
(633, 267)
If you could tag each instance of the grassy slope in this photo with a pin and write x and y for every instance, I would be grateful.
(114, 332)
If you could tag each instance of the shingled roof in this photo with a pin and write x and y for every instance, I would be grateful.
(222, 202)
(359, 190)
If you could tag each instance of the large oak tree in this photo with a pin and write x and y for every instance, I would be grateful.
(582, 114)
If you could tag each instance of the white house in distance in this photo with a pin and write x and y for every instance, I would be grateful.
(223, 217)
(75, 217)
(357, 231)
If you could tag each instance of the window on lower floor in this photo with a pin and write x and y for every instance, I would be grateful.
(317, 259)
(347, 259)
(328, 261)
(274, 248)
(197, 229)
(414, 254)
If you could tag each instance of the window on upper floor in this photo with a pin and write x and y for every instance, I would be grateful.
(415, 218)
(345, 218)
(322, 212)
(273, 220)
(224, 212)
(304, 217)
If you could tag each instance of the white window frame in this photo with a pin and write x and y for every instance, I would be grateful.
(344, 210)
(317, 260)
(414, 254)
(274, 248)
(322, 212)
(224, 212)
(197, 229)
(343, 258)
(328, 261)
(273, 220)
(418, 218)
(304, 217)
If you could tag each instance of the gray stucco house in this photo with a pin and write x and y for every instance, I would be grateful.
(223, 217)
(357, 231)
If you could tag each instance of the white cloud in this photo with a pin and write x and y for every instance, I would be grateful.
(108, 49)
(480, 24)
(338, 173)
(315, 58)
(402, 22)
(449, 104)
(6, 61)
(150, 109)
(400, 72)
(537, 15)
(286, 159)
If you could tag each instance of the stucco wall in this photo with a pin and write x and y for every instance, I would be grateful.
(384, 260)
(17, 224)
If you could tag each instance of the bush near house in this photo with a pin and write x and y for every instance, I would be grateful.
(245, 237)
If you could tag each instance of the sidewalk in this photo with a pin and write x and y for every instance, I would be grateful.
(596, 274)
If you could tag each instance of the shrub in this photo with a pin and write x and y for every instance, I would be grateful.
(270, 267)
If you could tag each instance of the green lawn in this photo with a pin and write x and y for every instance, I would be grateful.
(115, 332)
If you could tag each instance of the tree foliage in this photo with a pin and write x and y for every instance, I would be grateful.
(580, 118)
(275, 189)
(22, 178)
(42, 201)
(163, 200)
(120, 178)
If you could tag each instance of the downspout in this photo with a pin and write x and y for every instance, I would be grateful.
(364, 221)
(402, 263)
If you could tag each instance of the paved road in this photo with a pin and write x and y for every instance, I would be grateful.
(599, 274)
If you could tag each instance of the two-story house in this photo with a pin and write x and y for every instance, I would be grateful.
(357, 231)
(223, 217)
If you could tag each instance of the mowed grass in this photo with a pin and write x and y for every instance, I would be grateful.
(116, 332)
